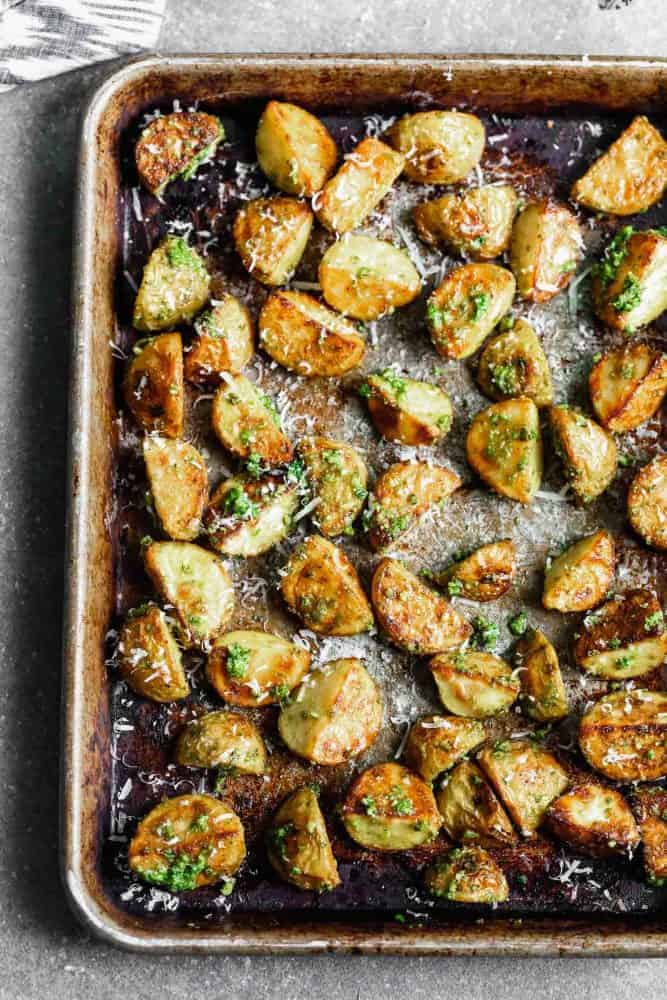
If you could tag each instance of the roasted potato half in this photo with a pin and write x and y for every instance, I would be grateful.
(178, 481)
(222, 739)
(413, 616)
(246, 422)
(630, 176)
(187, 842)
(467, 875)
(195, 585)
(624, 638)
(405, 410)
(504, 447)
(304, 336)
(595, 820)
(335, 715)
(588, 453)
(513, 363)
(153, 385)
(174, 287)
(650, 804)
(298, 844)
(270, 235)
(437, 742)
(365, 177)
(247, 517)
(224, 342)
(388, 808)
(440, 147)
(627, 386)
(543, 693)
(630, 282)
(337, 477)
(149, 657)
(174, 146)
(474, 684)
(579, 578)
(470, 809)
(465, 307)
(251, 668)
(624, 735)
(367, 278)
(294, 149)
(401, 494)
(321, 586)
(483, 575)
(526, 778)
(545, 249)
(475, 223)
(647, 503)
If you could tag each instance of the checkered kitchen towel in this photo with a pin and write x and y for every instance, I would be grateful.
(40, 38)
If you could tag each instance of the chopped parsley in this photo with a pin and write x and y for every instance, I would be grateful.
(281, 694)
(613, 256)
(400, 802)
(480, 305)
(200, 824)
(238, 503)
(518, 624)
(179, 254)
(370, 806)
(395, 382)
(278, 839)
(254, 466)
(485, 633)
(181, 871)
(238, 659)
(504, 377)
(630, 296)
(656, 620)
(454, 587)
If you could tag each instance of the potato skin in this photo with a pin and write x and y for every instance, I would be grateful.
(270, 235)
(624, 735)
(650, 805)
(589, 454)
(222, 739)
(467, 875)
(150, 660)
(247, 517)
(246, 422)
(437, 742)
(624, 638)
(595, 820)
(544, 697)
(484, 575)
(413, 616)
(545, 250)
(178, 481)
(224, 342)
(388, 808)
(175, 145)
(407, 411)
(366, 278)
(627, 386)
(440, 147)
(470, 809)
(298, 845)
(465, 307)
(504, 447)
(294, 149)
(153, 385)
(526, 778)
(251, 668)
(630, 283)
(175, 285)
(338, 477)
(475, 223)
(513, 363)
(474, 684)
(365, 177)
(579, 577)
(647, 503)
(401, 494)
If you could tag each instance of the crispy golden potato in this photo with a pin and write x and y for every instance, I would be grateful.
(367, 278)
(589, 454)
(150, 660)
(321, 586)
(405, 410)
(504, 447)
(335, 715)
(630, 282)
(246, 422)
(544, 697)
(526, 778)
(153, 384)
(195, 585)
(465, 307)
(467, 875)
(294, 149)
(222, 739)
(251, 668)
(174, 146)
(247, 517)
(624, 735)
(470, 809)
(579, 577)
(187, 842)
(270, 235)
(647, 503)
(440, 147)
(484, 575)
(475, 223)
(175, 285)
(224, 342)
(365, 177)
(402, 493)
(624, 638)
(473, 683)
(650, 805)
(545, 249)
(300, 333)
(388, 808)
(337, 477)
(413, 616)
(513, 363)
(595, 820)
(630, 176)
(437, 742)
(178, 481)
(627, 386)
(298, 845)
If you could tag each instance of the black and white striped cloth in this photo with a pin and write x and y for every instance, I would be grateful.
(40, 38)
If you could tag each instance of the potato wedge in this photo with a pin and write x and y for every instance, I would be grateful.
(545, 249)
(195, 585)
(270, 235)
(413, 616)
(650, 805)
(630, 176)
(174, 146)
(401, 494)
(630, 282)
(504, 447)
(334, 716)
(224, 342)
(246, 422)
(366, 278)
(174, 287)
(579, 577)
(627, 386)
(474, 684)
(476, 223)
(178, 481)
(251, 668)
(484, 575)
(470, 809)
(437, 742)
(465, 307)
(321, 586)
(294, 149)
(624, 638)
(247, 517)
(647, 503)
(543, 694)
(513, 363)
(365, 177)
(467, 875)
(304, 336)
(150, 660)
(440, 147)
(405, 410)
(153, 385)
(595, 820)
(589, 454)
(526, 778)
(187, 842)
(222, 739)
(337, 477)
(624, 735)
(388, 808)
(298, 844)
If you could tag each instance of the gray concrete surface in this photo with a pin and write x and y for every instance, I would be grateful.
(42, 951)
